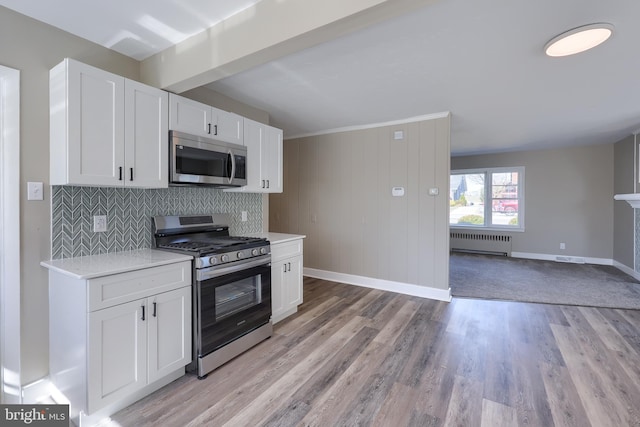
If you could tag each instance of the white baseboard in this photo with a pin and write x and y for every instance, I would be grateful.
(598, 261)
(630, 271)
(384, 285)
(555, 257)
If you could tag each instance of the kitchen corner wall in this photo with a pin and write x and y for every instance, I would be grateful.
(129, 213)
(338, 192)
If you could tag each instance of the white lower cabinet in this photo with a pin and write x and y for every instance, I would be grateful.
(137, 343)
(116, 338)
(286, 278)
(117, 354)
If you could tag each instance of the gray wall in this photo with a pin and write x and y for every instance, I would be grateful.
(337, 192)
(569, 198)
(624, 183)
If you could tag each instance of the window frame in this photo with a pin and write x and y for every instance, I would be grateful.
(488, 203)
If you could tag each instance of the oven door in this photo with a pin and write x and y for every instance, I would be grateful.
(231, 305)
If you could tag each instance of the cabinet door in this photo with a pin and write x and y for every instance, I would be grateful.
(117, 353)
(95, 114)
(272, 161)
(286, 287)
(169, 332)
(264, 158)
(293, 283)
(146, 136)
(253, 139)
(278, 290)
(189, 116)
(228, 127)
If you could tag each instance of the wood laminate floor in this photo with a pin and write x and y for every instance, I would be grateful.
(355, 356)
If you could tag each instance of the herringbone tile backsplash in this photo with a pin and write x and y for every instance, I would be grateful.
(129, 213)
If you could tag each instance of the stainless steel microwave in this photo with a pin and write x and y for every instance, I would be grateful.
(196, 160)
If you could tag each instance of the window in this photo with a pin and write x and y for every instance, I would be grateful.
(487, 198)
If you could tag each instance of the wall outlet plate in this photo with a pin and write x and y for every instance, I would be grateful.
(99, 223)
(35, 191)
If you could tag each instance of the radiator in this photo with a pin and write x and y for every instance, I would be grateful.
(480, 242)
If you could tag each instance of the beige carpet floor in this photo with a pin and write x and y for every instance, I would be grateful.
(515, 279)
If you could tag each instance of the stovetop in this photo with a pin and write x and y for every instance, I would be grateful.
(204, 237)
(212, 245)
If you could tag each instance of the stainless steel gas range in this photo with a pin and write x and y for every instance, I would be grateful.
(231, 286)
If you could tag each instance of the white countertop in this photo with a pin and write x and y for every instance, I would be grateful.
(275, 238)
(88, 267)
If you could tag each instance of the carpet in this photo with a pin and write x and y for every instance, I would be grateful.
(549, 282)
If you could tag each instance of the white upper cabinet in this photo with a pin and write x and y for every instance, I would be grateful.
(146, 138)
(187, 115)
(106, 130)
(273, 161)
(264, 158)
(196, 118)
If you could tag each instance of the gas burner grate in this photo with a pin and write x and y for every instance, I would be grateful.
(190, 246)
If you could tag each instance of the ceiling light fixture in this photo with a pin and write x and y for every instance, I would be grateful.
(578, 39)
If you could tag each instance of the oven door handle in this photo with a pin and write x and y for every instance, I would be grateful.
(212, 272)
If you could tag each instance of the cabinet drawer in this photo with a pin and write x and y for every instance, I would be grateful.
(124, 287)
(285, 250)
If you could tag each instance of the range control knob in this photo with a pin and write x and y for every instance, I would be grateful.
(224, 258)
(240, 255)
(263, 251)
(213, 260)
(254, 252)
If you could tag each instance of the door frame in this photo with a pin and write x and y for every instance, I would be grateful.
(10, 378)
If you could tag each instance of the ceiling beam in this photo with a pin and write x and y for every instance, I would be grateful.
(264, 32)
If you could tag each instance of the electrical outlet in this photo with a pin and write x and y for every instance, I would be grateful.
(244, 216)
(99, 223)
(563, 246)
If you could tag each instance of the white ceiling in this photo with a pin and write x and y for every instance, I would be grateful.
(483, 61)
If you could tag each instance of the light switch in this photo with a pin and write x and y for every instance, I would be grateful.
(35, 191)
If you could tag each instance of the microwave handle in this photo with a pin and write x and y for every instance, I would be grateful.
(232, 175)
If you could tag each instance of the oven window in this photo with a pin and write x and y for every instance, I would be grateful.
(231, 305)
(237, 296)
